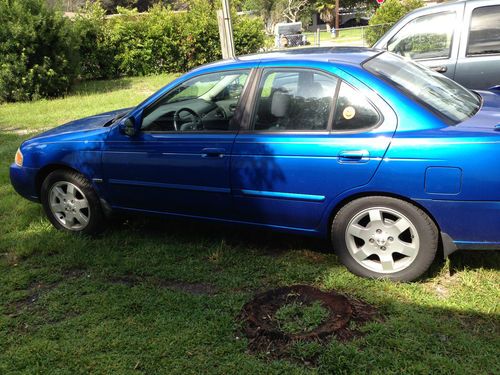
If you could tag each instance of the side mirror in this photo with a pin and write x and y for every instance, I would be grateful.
(127, 127)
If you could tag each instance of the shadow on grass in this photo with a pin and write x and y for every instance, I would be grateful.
(474, 259)
(270, 242)
(275, 243)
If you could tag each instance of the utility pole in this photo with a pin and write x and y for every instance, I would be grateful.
(337, 26)
(226, 31)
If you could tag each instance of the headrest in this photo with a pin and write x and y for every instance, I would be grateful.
(280, 103)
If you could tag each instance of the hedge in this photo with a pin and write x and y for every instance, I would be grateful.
(41, 52)
(38, 51)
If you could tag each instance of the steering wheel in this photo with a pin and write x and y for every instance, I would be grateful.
(197, 118)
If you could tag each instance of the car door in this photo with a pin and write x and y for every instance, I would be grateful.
(311, 137)
(179, 160)
(430, 37)
(478, 65)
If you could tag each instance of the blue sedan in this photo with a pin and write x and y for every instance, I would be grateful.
(385, 158)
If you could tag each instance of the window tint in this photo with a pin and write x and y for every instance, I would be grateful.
(294, 101)
(425, 37)
(484, 34)
(353, 111)
(203, 103)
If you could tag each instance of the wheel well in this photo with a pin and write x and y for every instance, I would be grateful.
(45, 171)
(351, 198)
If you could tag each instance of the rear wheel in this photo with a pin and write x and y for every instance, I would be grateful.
(383, 237)
(71, 203)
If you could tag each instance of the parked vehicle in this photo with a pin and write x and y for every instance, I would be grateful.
(460, 39)
(289, 34)
(388, 159)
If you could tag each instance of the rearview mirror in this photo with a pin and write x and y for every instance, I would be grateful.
(127, 127)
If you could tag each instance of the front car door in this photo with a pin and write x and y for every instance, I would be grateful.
(478, 65)
(312, 136)
(430, 37)
(179, 160)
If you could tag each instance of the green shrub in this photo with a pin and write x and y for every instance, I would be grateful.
(248, 34)
(37, 51)
(41, 52)
(96, 50)
(387, 15)
(160, 41)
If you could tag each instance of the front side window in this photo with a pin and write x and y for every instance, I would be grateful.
(203, 103)
(294, 100)
(425, 37)
(440, 94)
(484, 34)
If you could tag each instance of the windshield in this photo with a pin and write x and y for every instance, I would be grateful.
(441, 95)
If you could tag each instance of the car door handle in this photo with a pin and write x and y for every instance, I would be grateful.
(440, 68)
(213, 152)
(353, 156)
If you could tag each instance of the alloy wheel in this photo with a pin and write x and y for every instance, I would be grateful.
(382, 240)
(69, 205)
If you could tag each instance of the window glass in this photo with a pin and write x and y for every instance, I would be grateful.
(484, 34)
(203, 103)
(294, 101)
(353, 111)
(440, 94)
(425, 37)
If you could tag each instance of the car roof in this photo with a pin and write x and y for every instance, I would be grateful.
(351, 55)
(451, 2)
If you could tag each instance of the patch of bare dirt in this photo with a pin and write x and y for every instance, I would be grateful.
(37, 289)
(260, 325)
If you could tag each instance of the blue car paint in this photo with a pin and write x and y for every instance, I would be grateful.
(290, 181)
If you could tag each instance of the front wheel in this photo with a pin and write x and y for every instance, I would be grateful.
(71, 203)
(383, 237)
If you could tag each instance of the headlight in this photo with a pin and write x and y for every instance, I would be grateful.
(19, 158)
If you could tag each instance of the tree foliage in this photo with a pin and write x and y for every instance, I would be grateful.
(387, 15)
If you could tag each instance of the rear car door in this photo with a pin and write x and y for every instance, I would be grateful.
(311, 136)
(478, 65)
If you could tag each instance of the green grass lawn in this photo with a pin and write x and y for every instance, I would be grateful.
(354, 34)
(152, 296)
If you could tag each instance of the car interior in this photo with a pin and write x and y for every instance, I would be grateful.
(200, 104)
(294, 101)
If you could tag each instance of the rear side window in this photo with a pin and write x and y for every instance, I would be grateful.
(484, 33)
(426, 37)
(353, 111)
(294, 100)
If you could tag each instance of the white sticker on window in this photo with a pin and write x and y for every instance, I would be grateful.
(349, 112)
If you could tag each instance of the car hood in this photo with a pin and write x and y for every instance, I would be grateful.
(488, 116)
(84, 124)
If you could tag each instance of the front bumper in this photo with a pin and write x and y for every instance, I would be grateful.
(24, 182)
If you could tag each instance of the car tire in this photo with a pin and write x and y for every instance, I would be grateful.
(384, 237)
(71, 204)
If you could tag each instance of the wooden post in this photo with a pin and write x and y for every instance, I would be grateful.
(226, 31)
